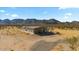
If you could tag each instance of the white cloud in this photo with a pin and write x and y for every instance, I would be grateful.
(66, 17)
(2, 11)
(7, 14)
(63, 8)
(14, 15)
(68, 14)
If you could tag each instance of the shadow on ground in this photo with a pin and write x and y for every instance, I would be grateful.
(45, 33)
(44, 46)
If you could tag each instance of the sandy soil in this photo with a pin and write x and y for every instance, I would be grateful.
(13, 39)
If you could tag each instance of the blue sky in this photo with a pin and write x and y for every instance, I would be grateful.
(59, 13)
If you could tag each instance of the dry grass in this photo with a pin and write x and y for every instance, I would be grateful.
(67, 33)
(71, 36)
(73, 43)
(13, 38)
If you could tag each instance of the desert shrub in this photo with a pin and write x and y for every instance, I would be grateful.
(11, 50)
(58, 33)
(73, 43)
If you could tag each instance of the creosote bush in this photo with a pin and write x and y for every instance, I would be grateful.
(58, 33)
(11, 50)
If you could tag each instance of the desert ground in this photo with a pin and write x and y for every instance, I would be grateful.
(14, 39)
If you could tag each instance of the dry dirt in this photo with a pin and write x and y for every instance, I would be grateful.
(13, 39)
